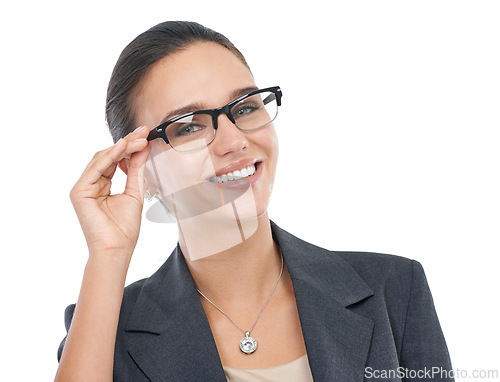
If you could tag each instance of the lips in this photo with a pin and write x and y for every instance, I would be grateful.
(235, 171)
(234, 175)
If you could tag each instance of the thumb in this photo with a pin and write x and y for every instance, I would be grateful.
(135, 177)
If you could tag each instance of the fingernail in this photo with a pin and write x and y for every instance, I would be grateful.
(139, 139)
(139, 128)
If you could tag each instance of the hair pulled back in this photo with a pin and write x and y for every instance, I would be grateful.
(138, 57)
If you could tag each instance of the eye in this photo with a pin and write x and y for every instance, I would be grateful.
(244, 110)
(188, 128)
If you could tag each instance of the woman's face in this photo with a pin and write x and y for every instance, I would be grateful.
(205, 76)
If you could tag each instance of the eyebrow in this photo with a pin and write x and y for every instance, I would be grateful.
(199, 106)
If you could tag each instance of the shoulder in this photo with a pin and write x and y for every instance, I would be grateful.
(393, 279)
(133, 290)
(350, 276)
(401, 306)
(373, 267)
(131, 294)
(379, 268)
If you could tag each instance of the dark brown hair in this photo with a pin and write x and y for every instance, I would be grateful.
(138, 56)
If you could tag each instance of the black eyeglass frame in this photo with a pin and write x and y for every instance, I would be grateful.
(160, 130)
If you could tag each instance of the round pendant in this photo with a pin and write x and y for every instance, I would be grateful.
(248, 344)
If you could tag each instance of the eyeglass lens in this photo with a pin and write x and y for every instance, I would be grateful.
(197, 130)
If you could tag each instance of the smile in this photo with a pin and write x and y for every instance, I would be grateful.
(235, 175)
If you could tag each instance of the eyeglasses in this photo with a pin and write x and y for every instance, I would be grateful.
(194, 130)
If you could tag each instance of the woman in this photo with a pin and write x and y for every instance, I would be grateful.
(239, 298)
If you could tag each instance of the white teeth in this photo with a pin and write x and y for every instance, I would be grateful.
(235, 175)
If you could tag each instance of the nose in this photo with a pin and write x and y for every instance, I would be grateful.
(228, 138)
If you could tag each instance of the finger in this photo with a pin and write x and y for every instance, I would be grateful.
(135, 178)
(105, 162)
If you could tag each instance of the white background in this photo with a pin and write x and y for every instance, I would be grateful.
(389, 135)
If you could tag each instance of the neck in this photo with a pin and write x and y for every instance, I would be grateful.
(241, 274)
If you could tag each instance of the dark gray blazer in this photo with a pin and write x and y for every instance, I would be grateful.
(362, 315)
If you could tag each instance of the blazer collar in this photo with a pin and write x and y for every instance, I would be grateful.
(325, 285)
(168, 334)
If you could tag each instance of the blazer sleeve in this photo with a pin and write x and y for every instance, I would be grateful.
(68, 316)
(424, 354)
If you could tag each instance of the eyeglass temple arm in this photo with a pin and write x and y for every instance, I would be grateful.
(277, 94)
(153, 134)
(270, 98)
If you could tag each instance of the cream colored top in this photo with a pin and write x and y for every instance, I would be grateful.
(295, 371)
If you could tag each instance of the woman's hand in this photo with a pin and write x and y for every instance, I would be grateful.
(111, 226)
(111, 223)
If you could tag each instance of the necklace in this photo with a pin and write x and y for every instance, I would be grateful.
(248, 344)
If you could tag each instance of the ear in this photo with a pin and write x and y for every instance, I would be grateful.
(123, 164)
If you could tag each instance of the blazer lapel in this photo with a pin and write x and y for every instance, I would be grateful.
(337, 340)
(168, 335)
